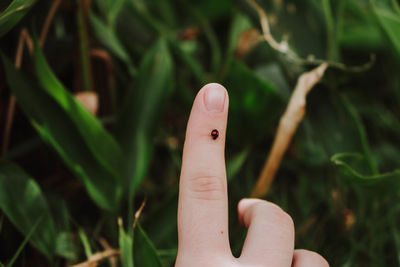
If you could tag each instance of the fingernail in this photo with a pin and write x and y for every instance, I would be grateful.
(214, 98)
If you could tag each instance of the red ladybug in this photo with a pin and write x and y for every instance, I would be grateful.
(214, 134)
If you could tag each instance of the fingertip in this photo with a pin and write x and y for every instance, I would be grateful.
(243, 205)
(215, 97)
(209, 112)
(216, 86)
(305, 258)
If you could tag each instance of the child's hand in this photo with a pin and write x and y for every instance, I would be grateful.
(203, 202)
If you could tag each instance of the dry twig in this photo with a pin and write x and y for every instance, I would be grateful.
(296, 108)
(288, 124)
(138, 212)
(49, 19)
(284, 48)
(95, 259)
(104, 243)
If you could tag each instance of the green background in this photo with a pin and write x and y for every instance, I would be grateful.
(68, 176)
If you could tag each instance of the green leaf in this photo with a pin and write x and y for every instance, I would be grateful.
(101, 143)
(167, 256)
(213, 9)
(24, 205)
(273, 73)
(360, 29)
(240, 24)
(390, 22)
(188, 58)
(107, 36)
(253, 103)
(105, 150)
(161, 224)
(78, 137)
(64, 246)
(334, 126)
(138, 119)
(110, 9)
(355, 167)
(126, 247)
(145, 253)
(59, 210)
(13, 14)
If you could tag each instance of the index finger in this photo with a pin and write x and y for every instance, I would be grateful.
(203, 204)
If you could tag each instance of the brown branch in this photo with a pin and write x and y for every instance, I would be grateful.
(8, 126)
(296, 108)
(104, 243)
(284, 48)
(103, 56)
(97, 257)
(288, 124)
(49, 19)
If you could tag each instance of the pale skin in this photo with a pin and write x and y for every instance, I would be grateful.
(203, 202)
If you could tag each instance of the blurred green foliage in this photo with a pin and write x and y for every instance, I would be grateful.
(69, 175)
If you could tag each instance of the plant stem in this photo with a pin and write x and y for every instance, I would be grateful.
(330, 29)
(87, 83)
(23, 244)
(47, 23)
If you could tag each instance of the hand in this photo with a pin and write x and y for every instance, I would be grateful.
(203, 202)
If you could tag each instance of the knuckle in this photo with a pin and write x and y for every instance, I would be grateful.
(207, 187)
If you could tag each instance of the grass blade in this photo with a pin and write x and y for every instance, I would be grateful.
(85, 243)
(13, 14)
(109, 39)
(23, 244)
(390, 23)
(125, 246)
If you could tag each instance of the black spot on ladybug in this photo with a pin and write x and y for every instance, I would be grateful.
(214, 134)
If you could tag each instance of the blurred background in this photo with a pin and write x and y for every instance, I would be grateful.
(103, 91)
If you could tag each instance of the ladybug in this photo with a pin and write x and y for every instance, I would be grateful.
(214, 134)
